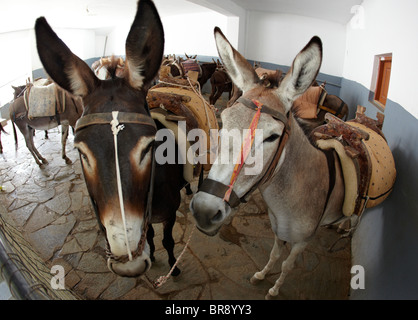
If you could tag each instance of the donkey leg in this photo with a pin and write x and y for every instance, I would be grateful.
(188, 189)
(287, 266)
(64, 136)
(150, 239)
(274, 256)
(217, 95)
(168, 243)
(212, 94)
(28, 135)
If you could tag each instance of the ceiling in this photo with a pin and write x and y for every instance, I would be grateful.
(103, 14)
(338, 11)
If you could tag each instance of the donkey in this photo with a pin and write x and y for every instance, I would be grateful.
(220, 82)
(19, 116)
(208, 68)
(301, 185)
(18, 91)
(119, 167)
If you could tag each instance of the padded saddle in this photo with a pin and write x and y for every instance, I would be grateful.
(367, 163)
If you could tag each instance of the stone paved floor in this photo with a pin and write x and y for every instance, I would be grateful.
(51, 208)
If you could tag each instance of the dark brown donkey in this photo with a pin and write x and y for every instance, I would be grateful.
(119, 166)
(220, 82)
(27, 125)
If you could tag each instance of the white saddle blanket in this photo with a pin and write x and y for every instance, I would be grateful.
(42, 101)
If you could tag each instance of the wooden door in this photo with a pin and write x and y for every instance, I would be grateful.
(382, 87)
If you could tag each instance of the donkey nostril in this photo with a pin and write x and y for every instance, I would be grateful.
(217, 216)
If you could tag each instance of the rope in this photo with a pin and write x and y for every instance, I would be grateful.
(199, 94)
(163, 279)
(115, 130)
(245, 150)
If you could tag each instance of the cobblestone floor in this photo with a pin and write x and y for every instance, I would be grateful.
(51, 207)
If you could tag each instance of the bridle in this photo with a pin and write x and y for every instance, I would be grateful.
(117, 120)
(219, 189)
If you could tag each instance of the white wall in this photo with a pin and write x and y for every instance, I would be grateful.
(390, 26)
(81, 42)
(20, 56)
(15, 55)
(277, 38)
(236, 20)
(187, 33)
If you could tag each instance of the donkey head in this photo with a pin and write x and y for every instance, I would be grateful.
(120, 202)
(225, 186)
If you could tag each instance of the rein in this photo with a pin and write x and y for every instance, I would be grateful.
(226, 192)
(114, 119)
(115, 130)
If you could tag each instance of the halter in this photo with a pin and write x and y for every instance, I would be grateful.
(226, 192)
(115, 119)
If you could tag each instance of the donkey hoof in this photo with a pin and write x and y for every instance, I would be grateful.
(41, 166)
(44, 161)
(254, 280)
(176, 272)
(270, 297)
(272, 293)
(68, 160)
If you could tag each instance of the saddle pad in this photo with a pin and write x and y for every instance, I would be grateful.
(41, 101)
(191, 65)
(307, 104)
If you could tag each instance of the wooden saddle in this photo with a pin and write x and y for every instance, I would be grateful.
(367, 163)
(174, 100)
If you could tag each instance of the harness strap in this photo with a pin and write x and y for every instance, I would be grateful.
(219, 189)
(274, 113)
(331, 175)
(106, 118)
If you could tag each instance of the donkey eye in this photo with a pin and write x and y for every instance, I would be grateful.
(84, 158)
(146, 150)
(271, 138)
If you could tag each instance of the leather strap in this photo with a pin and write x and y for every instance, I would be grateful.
(274, 113)
(218, 189)
(105, 118)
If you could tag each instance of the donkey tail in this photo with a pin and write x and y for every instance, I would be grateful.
(14, 132)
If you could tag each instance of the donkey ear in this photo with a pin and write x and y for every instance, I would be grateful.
(238, 68)
(64, 67)
(303, 72)
(144, 45)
